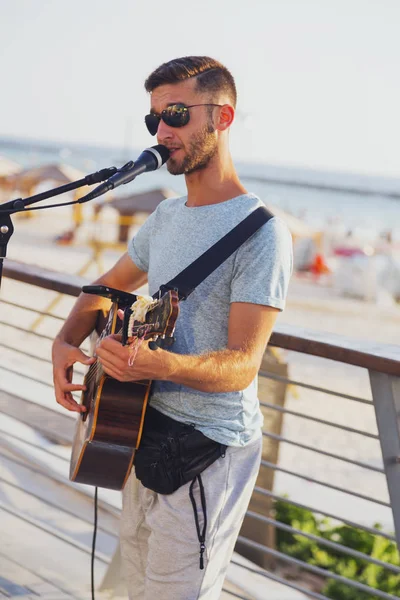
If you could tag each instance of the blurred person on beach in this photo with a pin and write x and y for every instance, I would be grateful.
(208, 377)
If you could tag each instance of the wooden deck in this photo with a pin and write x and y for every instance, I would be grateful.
(46, 521)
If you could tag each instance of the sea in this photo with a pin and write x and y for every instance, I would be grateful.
(365, 206)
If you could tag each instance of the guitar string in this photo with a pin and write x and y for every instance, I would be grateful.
(95, 369)
(139, 331)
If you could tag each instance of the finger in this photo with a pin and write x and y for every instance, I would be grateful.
(84, 359)
(76, 355)
(72, 387)
(111, 365)
(120, 313)
(104, 355)
(68, 374)
(63, 381)
(117, 337)
(112, 372)
(76, 404)
(67, 401)
(112, 343)
(71, 405)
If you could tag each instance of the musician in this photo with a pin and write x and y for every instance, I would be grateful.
(208, 377)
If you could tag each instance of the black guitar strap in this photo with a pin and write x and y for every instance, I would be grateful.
(188, 279)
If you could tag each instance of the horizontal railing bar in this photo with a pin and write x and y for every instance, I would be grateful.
(58, 507)
(39, 575)
(39, 335)
(52, 423)
(315, 388)
(285, 582)
(317, 570)
(270, 465)
(106, 506)
(230, 593)
(34, 310)
(316, 420)
(35, 357)
(31, 468)
(384, 358)
(371, 530)
(45, 450)
(324, 542)
(280, 438)
(23, 353)
(48, 279)
(102, 558)
(25, 376)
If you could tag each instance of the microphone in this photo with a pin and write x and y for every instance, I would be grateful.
(150, 159)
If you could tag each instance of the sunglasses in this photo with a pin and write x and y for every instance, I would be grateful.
(176, 115)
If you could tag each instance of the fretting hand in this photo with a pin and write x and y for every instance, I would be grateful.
(64, 357)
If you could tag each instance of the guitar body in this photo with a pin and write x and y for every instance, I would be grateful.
(105, 439)
(107, 434)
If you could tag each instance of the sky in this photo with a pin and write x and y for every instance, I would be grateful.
(318, 80)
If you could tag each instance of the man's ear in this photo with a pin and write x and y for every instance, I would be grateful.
(226, 116)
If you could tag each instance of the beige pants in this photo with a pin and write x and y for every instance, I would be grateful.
(159, 544)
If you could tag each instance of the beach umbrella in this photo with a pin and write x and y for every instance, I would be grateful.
(128, 207)
(8, 167)
(28, 179)
(297, 227)
(307, 240)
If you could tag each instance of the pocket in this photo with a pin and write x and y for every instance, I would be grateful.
(198, 452)
(170, 456)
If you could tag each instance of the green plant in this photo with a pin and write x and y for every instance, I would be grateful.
(338, 562)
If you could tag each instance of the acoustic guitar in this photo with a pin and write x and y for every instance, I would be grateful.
(108, 433)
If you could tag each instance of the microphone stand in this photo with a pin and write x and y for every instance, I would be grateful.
(19, 205)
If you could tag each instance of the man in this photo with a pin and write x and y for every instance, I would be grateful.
(208, 378)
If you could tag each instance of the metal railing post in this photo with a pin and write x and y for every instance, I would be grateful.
(386, 395)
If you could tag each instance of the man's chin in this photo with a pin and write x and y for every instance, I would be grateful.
(174, 168)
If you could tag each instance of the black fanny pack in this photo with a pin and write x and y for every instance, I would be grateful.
(171, 454)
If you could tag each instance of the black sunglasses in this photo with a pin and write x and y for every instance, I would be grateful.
(176, 115)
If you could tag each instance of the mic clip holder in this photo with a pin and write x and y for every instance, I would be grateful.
(6, 231)
(123, 299)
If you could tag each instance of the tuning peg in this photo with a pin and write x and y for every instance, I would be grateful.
(168, 342)
(155, 344)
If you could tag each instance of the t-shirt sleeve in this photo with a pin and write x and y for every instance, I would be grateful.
(139, 248)
(263, 266)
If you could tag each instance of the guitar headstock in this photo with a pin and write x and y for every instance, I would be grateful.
(159, 320)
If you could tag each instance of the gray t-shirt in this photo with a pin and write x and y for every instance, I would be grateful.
(258, 272)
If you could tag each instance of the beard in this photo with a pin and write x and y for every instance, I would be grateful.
(202, 148)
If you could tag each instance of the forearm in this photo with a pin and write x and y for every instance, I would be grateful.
(221, 371)
(82, 319)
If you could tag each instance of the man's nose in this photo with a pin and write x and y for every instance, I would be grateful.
(164, 132)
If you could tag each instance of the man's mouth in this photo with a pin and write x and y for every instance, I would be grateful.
(173, 151)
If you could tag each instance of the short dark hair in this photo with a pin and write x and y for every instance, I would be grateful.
(211, 76)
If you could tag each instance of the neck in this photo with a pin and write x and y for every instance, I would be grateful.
(216, 183)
